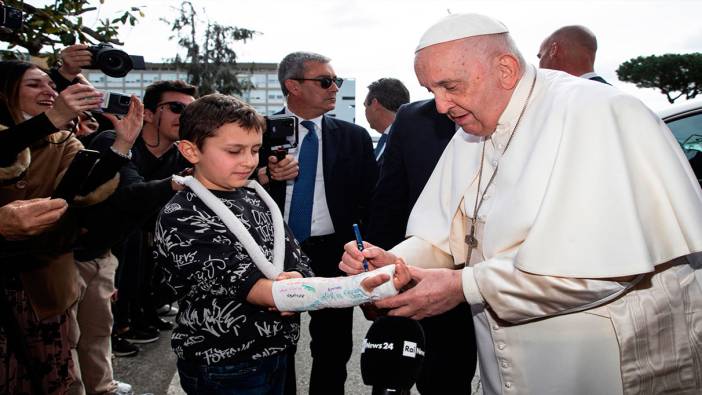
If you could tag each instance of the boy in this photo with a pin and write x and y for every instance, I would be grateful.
(228, 338)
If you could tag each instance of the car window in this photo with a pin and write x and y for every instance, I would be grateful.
(684, 128)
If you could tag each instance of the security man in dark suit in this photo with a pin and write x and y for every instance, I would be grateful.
(323, 188)
(384, 98)
(417, 139)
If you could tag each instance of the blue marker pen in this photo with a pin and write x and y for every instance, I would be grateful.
(359, 243)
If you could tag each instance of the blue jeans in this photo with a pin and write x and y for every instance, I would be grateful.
(263, 376)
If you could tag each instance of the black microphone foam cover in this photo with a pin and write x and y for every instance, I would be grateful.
(392, 354)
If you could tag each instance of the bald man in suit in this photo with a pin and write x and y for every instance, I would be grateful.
(571, 49)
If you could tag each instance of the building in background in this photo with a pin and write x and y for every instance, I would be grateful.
(265, 96)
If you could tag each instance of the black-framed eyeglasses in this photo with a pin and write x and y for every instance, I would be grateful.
(324, 82)
(176, 107)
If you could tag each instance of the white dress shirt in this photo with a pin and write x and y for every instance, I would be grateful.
(321, 219)
(382, 149)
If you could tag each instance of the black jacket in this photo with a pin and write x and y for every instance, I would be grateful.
(350, 173)
(417, 139)
(144, 188)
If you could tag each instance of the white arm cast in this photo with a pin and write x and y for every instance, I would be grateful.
(314, 293)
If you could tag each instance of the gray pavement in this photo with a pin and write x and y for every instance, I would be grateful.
(153, 370)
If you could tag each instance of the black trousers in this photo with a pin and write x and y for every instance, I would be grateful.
(449, 337)
(331, 334)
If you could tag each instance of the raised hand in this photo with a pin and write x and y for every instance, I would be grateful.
(128, 128)
(74, 58)
(71, 102)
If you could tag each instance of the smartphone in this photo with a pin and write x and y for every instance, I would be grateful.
(281, 134)
(76, 174)
(115, 103)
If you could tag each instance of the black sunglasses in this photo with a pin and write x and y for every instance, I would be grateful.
(324, 82)
(176, 107)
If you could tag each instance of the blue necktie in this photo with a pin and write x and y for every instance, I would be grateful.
(300, 218)
(380, 145)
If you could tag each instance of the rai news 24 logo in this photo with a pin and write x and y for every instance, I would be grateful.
(409, 349)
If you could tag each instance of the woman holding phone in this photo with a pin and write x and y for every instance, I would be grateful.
(38, 271)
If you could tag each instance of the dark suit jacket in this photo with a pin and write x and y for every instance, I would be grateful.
(350, 172)
(417, 139)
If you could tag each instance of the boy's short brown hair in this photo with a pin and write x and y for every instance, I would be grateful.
(205, 115)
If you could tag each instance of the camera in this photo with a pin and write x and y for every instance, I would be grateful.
(10, 18)
(114, 62)
(115, 103)
(281, 135)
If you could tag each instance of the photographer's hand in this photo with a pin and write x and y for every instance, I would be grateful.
(74, 58)
(24, 218)
(72, 101)
(128, 128)
(286, 169)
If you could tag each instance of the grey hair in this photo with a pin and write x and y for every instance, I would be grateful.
(293, 66)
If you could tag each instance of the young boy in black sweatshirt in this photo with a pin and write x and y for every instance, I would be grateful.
(221, 244)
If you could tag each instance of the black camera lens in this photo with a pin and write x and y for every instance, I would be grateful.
(125, 100)
(111, 61)
(114, 63)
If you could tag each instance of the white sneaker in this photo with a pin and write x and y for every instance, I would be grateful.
(123, 389)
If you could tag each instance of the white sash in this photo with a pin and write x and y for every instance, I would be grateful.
(270, 270)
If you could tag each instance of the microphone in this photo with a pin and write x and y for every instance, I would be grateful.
(392, 355)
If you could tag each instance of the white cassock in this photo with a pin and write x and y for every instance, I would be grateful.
(580, 283)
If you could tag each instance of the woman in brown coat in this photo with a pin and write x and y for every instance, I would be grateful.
(38, 273)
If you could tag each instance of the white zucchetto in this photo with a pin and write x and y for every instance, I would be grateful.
(458, 26)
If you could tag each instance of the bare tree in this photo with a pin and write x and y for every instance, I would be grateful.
(209, 58)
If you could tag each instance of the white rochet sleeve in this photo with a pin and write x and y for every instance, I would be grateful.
(314, 293)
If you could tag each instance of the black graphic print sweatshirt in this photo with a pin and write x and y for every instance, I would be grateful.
(211, 273)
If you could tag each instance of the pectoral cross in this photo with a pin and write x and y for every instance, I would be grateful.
(471, 241)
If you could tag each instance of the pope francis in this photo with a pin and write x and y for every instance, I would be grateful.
(572, 216)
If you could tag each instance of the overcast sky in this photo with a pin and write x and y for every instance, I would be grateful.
(370, 39)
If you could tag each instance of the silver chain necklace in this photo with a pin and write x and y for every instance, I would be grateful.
(470, 240)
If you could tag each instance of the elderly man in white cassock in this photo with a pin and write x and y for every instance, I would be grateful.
(575, 214)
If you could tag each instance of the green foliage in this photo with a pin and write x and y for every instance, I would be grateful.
(61, 24)
(209, 59)
(669, 73)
